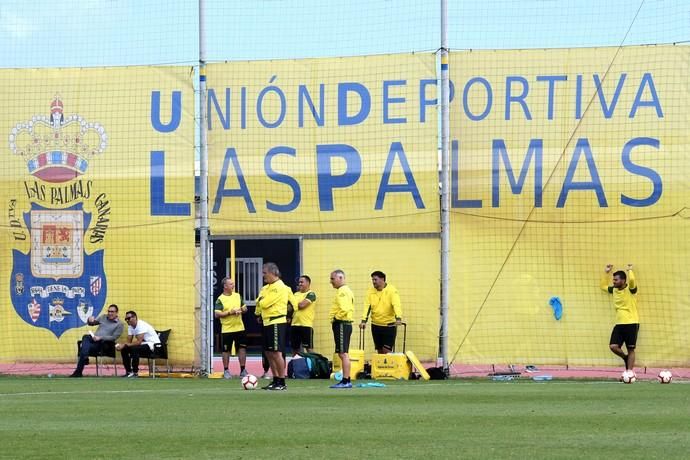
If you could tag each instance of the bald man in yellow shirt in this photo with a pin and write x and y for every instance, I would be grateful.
(341, 314)
(229, 308)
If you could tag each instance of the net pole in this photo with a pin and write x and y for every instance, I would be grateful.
(445, 187)
(204, 331)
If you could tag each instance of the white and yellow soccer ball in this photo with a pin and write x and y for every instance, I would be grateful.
(665, 376)
(250, 382)
(628, 376)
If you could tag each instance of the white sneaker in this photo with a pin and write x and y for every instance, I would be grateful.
(226, 375)
(265, 376)
(244, 373)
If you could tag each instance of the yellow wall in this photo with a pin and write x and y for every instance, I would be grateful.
(509, 260)
(410, 265)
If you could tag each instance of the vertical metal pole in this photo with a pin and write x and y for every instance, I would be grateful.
(445, 186)
(233, 255)
(205, 357)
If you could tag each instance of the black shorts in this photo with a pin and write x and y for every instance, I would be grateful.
(301, 336)
(342, 330)
(274, 337)
(625, 334)
(239, 338)
(384, 336)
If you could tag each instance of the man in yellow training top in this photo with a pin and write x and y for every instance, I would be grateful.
(627, 325)
(302, 326)
(341, 314)
(229, 308)
(383, 302)
(271, 308)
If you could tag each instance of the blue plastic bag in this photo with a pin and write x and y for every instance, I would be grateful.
(557, 306)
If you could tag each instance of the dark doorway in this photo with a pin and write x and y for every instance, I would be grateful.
(249, 256)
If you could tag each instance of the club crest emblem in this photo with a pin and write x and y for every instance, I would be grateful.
(95, 284)
(84, 310)
(19, 283)
(34, 310)
(57, 310)
(56, 243)
(57, 283)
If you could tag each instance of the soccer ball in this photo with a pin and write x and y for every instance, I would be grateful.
(628, 377)
(249, 382)
(665, 376)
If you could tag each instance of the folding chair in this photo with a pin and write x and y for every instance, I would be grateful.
(107, 351)
(160, 351)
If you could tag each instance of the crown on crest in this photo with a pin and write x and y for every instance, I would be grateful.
(56, 146)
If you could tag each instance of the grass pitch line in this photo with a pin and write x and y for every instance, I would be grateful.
(80, 392)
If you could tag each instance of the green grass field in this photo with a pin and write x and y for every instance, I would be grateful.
(190, 418)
